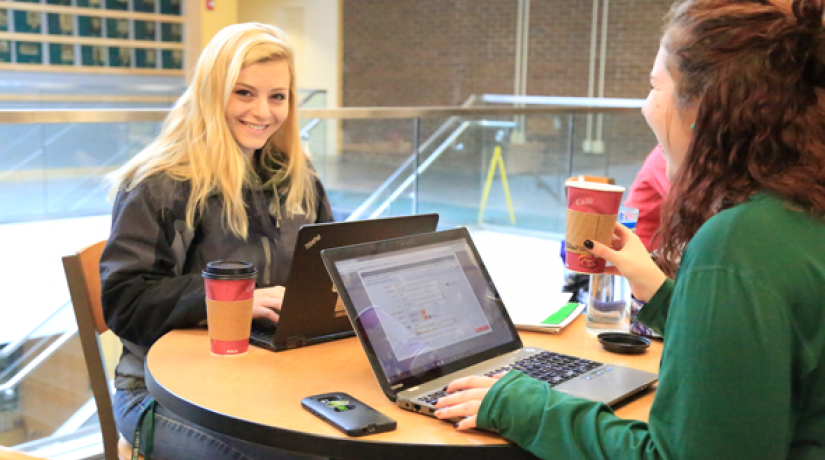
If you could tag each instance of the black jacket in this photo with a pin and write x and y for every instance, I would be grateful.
(151, 267)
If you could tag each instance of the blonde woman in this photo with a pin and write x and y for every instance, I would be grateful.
(225, 179)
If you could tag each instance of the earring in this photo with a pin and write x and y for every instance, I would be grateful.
(692, 125)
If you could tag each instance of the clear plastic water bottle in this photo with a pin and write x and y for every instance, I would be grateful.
(609, 298)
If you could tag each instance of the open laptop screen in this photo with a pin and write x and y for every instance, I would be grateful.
(424, 308)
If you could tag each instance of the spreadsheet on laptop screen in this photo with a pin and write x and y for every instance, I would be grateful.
(424, 307)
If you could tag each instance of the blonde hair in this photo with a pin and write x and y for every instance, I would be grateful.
(196, 145)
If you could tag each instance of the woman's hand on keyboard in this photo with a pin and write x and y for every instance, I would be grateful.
(465, 400)
(267, 303)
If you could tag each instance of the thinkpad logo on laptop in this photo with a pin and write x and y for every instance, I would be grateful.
(312, 242)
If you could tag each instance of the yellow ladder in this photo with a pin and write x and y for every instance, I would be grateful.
(497, 160)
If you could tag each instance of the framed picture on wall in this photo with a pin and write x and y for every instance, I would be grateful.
(5, 51)
(143, 23)
(60, 24)
(27, 22)
(29, 53)
(146, 58)
(117, 28)
(145, 30)
(92, 55)
(145, 6)
(171, 32)
(170, 7)
(120, 57)
(60, 54)
(117, 4)
(90, 26)
(172, 59)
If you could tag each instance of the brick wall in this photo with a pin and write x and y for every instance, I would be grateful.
(426, 52)
(439, 52)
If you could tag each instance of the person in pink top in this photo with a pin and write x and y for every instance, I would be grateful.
(647, 193)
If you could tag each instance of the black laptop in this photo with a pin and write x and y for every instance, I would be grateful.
(311, 311)
(427, 313)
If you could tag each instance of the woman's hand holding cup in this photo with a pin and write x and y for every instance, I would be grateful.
(632, 261)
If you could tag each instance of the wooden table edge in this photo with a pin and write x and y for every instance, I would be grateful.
(325, 446)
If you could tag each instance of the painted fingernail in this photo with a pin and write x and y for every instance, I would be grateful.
(456, 425)
(588, 244)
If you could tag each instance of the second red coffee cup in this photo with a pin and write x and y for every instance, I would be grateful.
(592, 209)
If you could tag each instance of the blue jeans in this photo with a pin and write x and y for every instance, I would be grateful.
(177, 438)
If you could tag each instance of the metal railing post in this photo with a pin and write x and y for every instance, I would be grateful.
(417, 154)
(570, 142)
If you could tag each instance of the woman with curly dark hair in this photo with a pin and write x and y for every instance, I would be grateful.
(737, 102)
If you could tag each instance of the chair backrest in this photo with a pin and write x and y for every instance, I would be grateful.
(83, 277)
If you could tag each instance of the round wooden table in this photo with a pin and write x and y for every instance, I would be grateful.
(257, 396)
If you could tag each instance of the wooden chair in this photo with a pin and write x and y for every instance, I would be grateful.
(83, 277)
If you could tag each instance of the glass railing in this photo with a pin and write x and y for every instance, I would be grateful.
(43, 387)
(56, 170)
(372, 161)
(314, 131)
(513, 176)
(25, 90)
(540, 143)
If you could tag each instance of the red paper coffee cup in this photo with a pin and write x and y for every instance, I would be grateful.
(230, 288)
(592, 209)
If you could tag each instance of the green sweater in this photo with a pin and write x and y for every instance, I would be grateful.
(743, 366)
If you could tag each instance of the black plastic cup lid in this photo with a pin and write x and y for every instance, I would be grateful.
(229, 270)
(619, 342)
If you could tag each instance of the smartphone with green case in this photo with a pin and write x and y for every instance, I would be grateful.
(348, 414)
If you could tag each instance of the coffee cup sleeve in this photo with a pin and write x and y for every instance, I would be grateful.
(588, 226)
(229, 320)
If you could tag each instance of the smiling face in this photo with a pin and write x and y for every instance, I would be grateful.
(259, 104)
(670, 124)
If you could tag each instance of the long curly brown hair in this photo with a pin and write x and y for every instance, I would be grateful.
(755, 70)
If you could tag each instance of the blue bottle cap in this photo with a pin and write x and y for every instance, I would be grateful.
(629, 224)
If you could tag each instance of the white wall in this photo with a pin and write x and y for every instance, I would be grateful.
(314, 28)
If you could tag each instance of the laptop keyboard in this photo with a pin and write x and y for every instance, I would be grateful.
(553, 368)
(433, 397)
